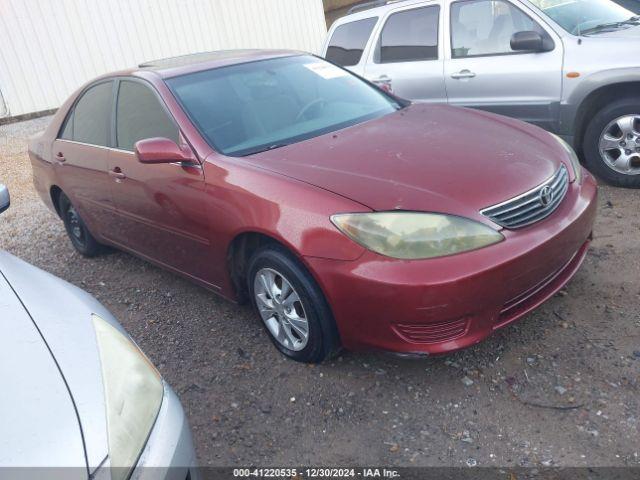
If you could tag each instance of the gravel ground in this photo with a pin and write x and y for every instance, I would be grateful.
(489, 405)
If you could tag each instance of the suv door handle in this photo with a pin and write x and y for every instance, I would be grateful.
(60, 157)
(381, 78)
(117, 174)
(463, 74)
(383, 82)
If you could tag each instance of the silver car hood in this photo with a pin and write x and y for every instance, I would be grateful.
(40, 427)
(62, 313)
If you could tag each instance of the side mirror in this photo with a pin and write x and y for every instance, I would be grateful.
(530, 41)
(162, 150)
(5, 200)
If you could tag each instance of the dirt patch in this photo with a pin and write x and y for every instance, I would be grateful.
(560, 387)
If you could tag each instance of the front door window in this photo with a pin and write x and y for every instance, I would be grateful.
(485, 27)
(139, 115)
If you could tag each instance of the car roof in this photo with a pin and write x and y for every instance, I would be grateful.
(174, 66)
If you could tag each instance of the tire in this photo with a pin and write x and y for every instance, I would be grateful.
(77, 230)
(322, 339)
(606, 121)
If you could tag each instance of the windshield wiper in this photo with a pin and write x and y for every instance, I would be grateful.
(264, 149)
(635, 20)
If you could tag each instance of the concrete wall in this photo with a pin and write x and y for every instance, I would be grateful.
(48, 48)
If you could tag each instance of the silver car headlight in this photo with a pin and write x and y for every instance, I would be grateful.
(573, 158)
(413, 235)
(133, 394)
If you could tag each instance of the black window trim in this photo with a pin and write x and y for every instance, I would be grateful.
(479, 55)
(111, 134)
(114, 111)
(378, 46)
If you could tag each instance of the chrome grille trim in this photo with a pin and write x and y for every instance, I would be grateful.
(527, 208)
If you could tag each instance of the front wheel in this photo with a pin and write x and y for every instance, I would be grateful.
(612, 143)
(291, 306)
(77, 230)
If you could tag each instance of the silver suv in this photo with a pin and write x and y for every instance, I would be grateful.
(569, 66)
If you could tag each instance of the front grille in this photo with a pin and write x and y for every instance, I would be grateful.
(433, 332)
(532, 206)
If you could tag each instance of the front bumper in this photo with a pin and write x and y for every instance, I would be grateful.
(444, 304)
(168, 453)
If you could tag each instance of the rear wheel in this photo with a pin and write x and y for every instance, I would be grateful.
(77, 230)
(612, 143)
(291, 306)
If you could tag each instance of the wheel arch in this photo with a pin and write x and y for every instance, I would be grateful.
(55, 192)
(597, 99)
(239, 252)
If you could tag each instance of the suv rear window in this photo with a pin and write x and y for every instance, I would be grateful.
(410, 36)
(348, 42)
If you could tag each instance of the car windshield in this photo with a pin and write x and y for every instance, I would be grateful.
(262, 105)
(586, 16)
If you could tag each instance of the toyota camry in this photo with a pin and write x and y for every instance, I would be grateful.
(347, 216)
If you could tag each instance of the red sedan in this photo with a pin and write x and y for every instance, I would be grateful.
(349, 217)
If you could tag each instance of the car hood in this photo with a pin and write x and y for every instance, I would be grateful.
(424, 158)
(62, 314)
(39, 424)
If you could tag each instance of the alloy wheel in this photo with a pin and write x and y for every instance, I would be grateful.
(620, 144)
(281, 309)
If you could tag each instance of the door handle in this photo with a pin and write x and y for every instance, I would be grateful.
(60, 157)
(117, 174)
(463, 74)
(383, 82)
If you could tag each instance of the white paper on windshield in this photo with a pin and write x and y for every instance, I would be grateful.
(326, 70)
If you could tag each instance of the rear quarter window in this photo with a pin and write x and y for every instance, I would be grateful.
(348, 41)
(67, 129)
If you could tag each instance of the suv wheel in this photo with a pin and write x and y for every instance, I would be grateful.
(291, 306)
(77, 230)
(612, 143)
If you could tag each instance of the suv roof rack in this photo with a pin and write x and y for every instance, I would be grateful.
(371, 4)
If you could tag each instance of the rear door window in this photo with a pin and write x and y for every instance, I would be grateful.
(67, 130)
(140, 115)
(410, 36)
(348, 41)
(91, 116)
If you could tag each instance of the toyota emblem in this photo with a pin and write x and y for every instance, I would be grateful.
(546, 196)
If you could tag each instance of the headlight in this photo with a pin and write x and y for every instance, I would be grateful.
(410, 235)
(133, 394)
(575, 162)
